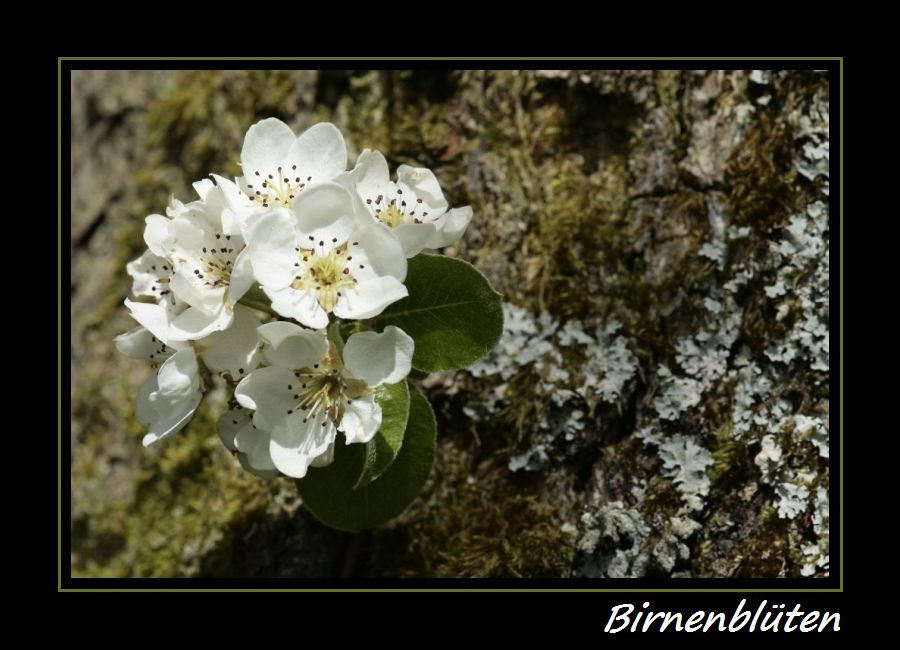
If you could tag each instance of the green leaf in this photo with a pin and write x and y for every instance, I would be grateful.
(328, 491)
(383, 448)
(452, 313)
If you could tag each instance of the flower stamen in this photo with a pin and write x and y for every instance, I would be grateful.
(395, 212)
(325, 273)
(280, 190)
(327, 390)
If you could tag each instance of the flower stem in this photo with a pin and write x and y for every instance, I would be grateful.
(334, 335)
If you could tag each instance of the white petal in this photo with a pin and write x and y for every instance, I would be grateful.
(193, 324)
(172, 304)
(384, 358)
(453, 225)
(369, 298)
(291, 346)
(232, 194)
(253, 454)
(270, 392)
(236, 206)
(178, 376)
(143, 409)
(241, 277)
(241, 417)
(231, 224)
(297, 443)
(325, 212)
(203, 187)
(414, 237)
(425, 186)
(319, 152)
(325, 459)
(272, 241)
(237, 432)
(362, 419)
(190, 234)
(379, 251)
(176, 398)
(236, 349)
(188, 289)
(173, 421)
(370, 176)
(302, 306)
(140, 343)
(363, 215)
(249, 222)
(156, 235)
(147, 271)
(229, 424)
(151, 316)
(175, 208)
(265, 146)
(213, 202)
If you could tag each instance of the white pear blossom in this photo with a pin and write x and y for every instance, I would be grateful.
(150, 279)
(168, 399)
(150, 275)
(251, 444)
(313, 260)
(210, 269)
(232, 353)
(311, 391)
(141, 343)
(413, 207)
(278, 165)
(219, 196)
(323, 244)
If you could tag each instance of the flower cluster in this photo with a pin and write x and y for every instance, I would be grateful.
(255, 281)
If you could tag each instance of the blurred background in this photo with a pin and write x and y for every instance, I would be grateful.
(658, 405)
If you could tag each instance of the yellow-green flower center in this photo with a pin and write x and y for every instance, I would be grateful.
(392, 215)
(327, 275)
(274, 190)
(325, 388)
(394, 212)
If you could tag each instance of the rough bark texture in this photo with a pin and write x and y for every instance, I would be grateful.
(659, 403)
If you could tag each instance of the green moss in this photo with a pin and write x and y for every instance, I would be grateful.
(475, 521)
(200, 117)
(182, 498)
